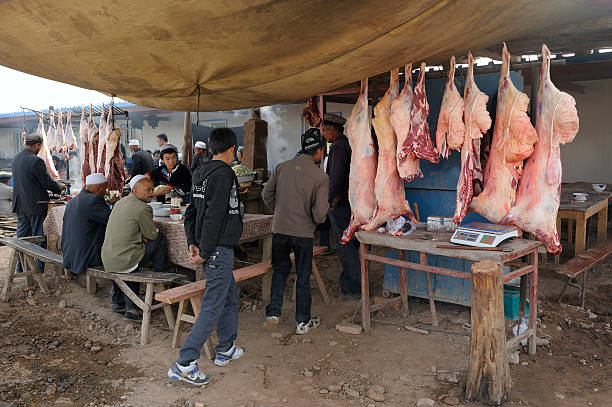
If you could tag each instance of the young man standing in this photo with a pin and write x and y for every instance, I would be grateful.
(298, 194)
(213, 226)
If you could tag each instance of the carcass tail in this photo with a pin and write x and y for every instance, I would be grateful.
(350, 231)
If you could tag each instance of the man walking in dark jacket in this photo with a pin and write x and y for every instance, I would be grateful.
(30, 185)
(297, 193)
(213, 226)
(142, 162)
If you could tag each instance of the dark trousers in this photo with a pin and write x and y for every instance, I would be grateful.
(324, 229)
(350, 279)
(282, 245)
(219, 307)
(155, 251)
(31, 225)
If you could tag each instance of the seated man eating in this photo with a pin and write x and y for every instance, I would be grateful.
(131, 240)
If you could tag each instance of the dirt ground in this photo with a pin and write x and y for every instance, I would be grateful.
(68, 349)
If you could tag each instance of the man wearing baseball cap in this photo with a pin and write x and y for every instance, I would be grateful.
(298, 194)
(30, 185)
(142, 162)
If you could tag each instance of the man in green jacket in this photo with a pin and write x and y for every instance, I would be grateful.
(131, 240)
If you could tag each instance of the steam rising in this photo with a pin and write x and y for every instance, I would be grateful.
(279, 148)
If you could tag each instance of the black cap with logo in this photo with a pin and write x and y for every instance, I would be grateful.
(312, 140)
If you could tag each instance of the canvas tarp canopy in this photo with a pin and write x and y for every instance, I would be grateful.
(248, 53)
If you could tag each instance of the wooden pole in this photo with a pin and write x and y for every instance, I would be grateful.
(488, 379)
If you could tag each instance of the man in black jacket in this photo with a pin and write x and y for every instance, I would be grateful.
(200, 156)
(213, 226)
(142, 162)
(30, 185)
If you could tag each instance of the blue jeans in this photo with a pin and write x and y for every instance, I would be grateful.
(282, 245)
(350, 279)
(31, 225)
(219, 307)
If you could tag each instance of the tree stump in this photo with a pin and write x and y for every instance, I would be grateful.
(488, 379)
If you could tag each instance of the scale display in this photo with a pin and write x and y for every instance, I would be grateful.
(480, 234)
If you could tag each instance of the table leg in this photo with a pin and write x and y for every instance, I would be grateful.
(523, 294)
(580, 235)
(533, 303)
(602, 225)
(365, 289)
(432, 304)
(10, 274)
(266, 281)
(403, 288)
(583, 289)
(556, 258)
(570, 231)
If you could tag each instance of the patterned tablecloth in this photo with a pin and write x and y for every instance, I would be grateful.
(255, 227)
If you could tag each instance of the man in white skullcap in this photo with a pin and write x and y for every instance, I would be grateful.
(201, 155)
(142, 161)
(131, 240)
(84, 226)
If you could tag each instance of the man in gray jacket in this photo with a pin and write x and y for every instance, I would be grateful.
(298, 194)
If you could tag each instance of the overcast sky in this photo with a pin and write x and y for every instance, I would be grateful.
(21, 89)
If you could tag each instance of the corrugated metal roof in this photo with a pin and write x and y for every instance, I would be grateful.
(76, 110)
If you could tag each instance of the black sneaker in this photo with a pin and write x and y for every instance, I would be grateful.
(132, 316)
(117, 308)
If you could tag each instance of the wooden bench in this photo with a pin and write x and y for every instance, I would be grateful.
(191, 293)
(155, 282)
(581, 264)
(27, 253)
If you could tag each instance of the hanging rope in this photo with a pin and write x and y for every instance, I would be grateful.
(198, 112)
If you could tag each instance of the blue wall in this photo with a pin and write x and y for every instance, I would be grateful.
(435, 194)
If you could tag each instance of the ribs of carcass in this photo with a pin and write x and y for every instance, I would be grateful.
(539, 190)
(311, 113)
(418, 143)
(69, 138)
(59, 135)
(407, 165)
(84, 146)
(450, 133)
(112, 142)
(363, 165)
(51, 137)
(477, 122)
(103, 136)
(93, 136)
(513, 139)
(388, 187)
(45, 152)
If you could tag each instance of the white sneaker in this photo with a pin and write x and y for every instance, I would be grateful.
(271, 322)
(190, 374)
(223, 358)
(305, 327)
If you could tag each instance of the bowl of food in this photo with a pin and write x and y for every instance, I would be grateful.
(580, 196)
(244, 173)
(155, 205)
(599, 187)
(176, 216)
(164, 212)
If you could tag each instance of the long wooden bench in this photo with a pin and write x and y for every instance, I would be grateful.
(190, 293)
(581, 264)
(27, 252)
(155, 282)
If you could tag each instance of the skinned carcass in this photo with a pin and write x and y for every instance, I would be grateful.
(84, 146)
(363, 165)
(407, 165)
(389, 187)
(418, 143)
(477, 122)
(103, 136)
(69, 138)
(51, 137)
(93, 136)
(513, 140)
(59, 134)
(114, 158)
(311, 113)
(450, 133)
(45, 152)
(539, 190)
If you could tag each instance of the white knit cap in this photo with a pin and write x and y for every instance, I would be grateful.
(95, 179)
(134, 142)
(135, 180)
(200, 144)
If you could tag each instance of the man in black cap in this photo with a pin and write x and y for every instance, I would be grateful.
(298, 194)
(338, 168)
(6, 195)
(30, 185)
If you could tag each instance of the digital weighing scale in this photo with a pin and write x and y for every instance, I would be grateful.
(480, 234)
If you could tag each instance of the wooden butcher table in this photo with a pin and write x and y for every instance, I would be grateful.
(580, 211)
(517, 248)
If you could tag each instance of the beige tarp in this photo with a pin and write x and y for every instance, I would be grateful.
(246, 53)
